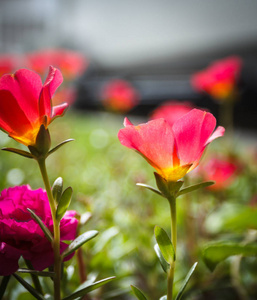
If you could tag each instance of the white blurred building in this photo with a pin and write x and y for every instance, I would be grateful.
(128, 31)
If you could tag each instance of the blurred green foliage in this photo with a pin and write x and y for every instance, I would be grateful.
(103, 175)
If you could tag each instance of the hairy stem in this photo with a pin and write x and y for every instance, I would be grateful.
(170, 278)
(56, 241)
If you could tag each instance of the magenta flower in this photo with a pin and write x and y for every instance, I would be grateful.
(20, 235)
(172, 150)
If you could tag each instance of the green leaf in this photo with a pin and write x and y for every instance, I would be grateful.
(195, 187)
(58, 146)
(185, 282)
(79, 241)
(244, 218)
(88, 289)
(19, 152)
(64, 203)
(35, 272)
(28, 287)
(138, 293)
(164, 244)
(57, 189)
(216, 252)
(163, 262)
(3, 285)
(151, 189)
(46, 231)
(167, 188)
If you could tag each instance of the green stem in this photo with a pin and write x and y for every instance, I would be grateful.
(3, 285)
(173, 214)
(235, 272)
(34, 278)
(56, 241)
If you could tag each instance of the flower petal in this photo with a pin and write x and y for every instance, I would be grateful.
(192, 132)
(154, 140)
(127, 122)
(9, 257)
(68, 225)
(52, 82)
(59, 110)
(12, 117)
(25, 86)
(42, 255)
(217, 133)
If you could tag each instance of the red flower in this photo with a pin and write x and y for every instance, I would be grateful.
(7, 63)
(71, 63)
(171, 111)
(172, 150)
(220, 79)
(66, 94)
(220, 169)
(119, 95)
(25, 104)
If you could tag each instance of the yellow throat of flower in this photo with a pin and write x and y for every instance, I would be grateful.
(174, 173)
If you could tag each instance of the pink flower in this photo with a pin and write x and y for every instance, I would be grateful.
(7, 63)
(26, 103)
(172, 150)
(220, 79)
(20, 235)
(119, 95)
(66, 94)
(222, 170)
(171, 111)
(71, 63)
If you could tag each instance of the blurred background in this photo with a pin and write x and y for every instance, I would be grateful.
(155, 45)
(127, 58)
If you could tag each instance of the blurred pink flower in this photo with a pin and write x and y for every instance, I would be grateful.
(65, 94)
(8, 63)
(171, 111)
(20, 235)
(220, 79)
(71, 63)
(223, 170)
(172, 150)
(119, 95)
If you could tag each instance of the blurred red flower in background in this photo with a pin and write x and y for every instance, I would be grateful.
(25, 104)
(220, 79)
(65, 94)
(8, 63)
(172, 150)
(223, 170)
(20, 235)
(171, 111)
(119, 96)
(71, 63)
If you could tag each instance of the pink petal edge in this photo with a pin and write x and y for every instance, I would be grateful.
(217, 133)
